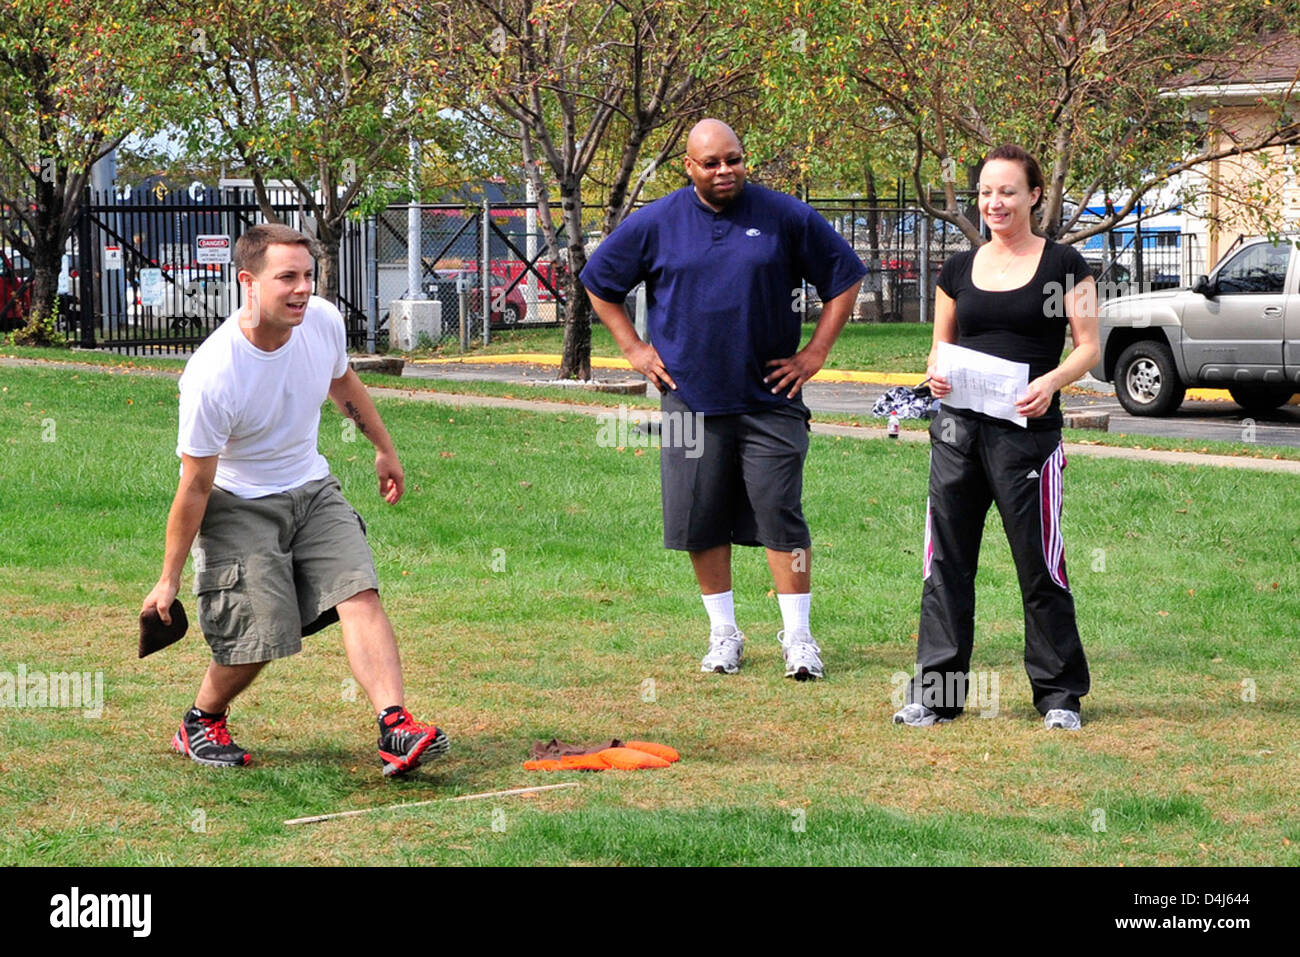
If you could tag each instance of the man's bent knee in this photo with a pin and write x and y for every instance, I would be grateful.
(365, 602)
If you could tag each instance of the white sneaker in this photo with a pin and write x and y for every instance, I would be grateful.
(918, 716)
(802, 655)
(1063, 719)
(726, 643)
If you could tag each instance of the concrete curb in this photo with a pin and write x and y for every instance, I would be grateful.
(606, 362)
(825, 375)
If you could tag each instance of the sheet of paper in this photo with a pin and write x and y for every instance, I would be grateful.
(983, 383)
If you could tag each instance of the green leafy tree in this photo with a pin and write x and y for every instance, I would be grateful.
(1088, 87)
(76, 78)
(323, 95)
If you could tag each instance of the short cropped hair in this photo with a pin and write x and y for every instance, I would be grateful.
(250, 249)
(1033, 174)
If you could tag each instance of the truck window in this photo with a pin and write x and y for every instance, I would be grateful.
(1256, 269)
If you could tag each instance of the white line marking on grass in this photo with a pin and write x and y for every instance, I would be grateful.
(397, 807)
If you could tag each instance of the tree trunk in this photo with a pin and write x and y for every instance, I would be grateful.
(327, 275)
(46, 254)
(46, 259)
(575, 362)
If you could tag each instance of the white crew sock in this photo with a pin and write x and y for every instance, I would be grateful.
(721, 608)
(794, 612)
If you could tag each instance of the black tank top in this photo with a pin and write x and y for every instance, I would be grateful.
(1022, 325)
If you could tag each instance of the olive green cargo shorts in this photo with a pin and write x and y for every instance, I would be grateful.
(268, 571)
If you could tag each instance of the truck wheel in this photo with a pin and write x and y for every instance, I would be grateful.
(1146, 379)
(1260, 397)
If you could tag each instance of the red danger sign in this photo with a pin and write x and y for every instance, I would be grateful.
(213, 249)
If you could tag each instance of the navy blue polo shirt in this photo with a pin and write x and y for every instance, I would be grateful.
(722, 288)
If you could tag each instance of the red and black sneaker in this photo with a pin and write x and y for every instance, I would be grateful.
(204, 738)
(403, 741)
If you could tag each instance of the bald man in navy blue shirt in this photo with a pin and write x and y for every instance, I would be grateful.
(723, 264)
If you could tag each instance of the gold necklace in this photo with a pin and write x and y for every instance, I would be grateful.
(1014, 256)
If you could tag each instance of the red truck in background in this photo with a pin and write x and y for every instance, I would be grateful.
(15, 291)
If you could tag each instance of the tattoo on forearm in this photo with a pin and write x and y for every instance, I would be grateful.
(355, 415)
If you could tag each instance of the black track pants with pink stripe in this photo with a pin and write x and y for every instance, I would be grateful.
(974, 463)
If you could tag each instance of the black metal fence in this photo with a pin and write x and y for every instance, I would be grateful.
(149, 271)
(1132, 259)
(903, 249)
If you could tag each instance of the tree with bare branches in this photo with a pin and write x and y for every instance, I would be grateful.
(567, 78)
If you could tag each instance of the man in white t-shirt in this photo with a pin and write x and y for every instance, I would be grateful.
(278, 552)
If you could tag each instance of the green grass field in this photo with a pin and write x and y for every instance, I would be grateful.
(567, 396)
(532, 599)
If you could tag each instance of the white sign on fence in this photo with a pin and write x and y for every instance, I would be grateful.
(212, 250)
(112, 257)
(152, 292)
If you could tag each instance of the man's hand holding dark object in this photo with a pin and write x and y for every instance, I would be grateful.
(161, 600)
(161, 626)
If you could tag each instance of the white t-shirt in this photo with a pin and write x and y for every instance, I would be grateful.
(259, 411)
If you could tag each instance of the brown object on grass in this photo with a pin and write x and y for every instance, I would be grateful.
(555, 749)
(155, 635)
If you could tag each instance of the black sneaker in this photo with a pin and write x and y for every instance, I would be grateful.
(403, 741)
(207, 741)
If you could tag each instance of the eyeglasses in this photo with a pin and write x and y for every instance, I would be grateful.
(712, 166)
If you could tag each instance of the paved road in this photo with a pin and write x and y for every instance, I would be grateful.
(1209, 420)
(1224, 421)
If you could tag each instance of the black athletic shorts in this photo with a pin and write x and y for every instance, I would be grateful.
(733, 479)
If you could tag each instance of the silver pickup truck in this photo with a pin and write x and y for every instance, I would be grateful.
(1236, 329)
